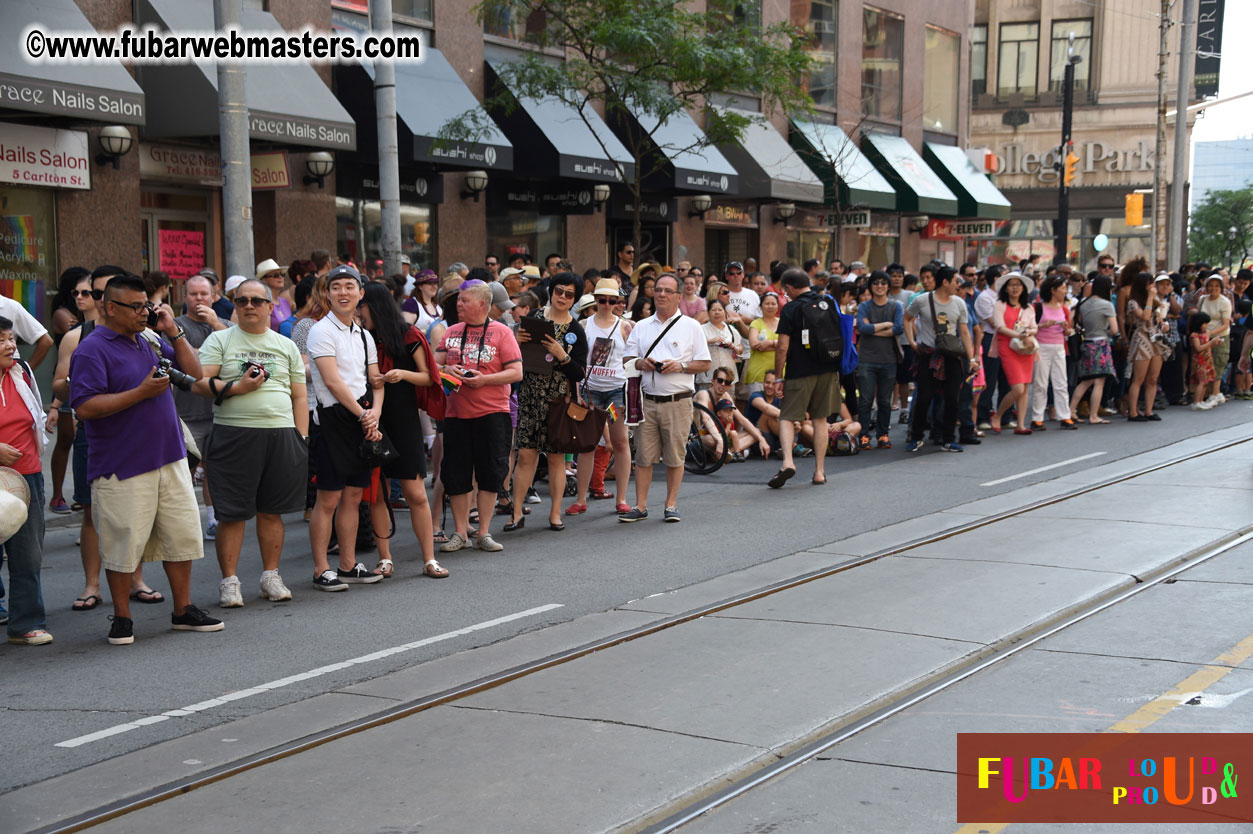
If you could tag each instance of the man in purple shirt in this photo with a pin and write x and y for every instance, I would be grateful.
(142, 498)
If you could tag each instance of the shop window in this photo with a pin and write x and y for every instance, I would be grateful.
(526, 232)
(28, 256)
(359, 230)
(940, 81)
(979, 59)
(525, 29)
(818, 19)
(882, 49)
(1019, 52)
(418, 9)
(1060, 53)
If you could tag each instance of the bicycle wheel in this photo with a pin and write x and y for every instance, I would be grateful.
(700, 459)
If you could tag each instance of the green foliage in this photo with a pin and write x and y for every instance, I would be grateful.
(1209, 234)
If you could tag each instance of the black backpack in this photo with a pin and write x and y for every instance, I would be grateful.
(820, 319)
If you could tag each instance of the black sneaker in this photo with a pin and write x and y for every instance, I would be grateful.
(636, 514)
(970, 441)
(122, 632)
(358, 575)
(671, 515)
(328, 580)
(193, 619)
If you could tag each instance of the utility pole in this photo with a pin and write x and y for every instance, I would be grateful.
(1175, 229)
(389, 170)
(1064, 165)
(1158, 260)
(236, 158)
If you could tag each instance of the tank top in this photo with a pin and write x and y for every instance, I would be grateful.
(605, 348)
(1051, 335)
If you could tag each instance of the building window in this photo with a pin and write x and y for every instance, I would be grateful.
(419, 9)
(1016, 70)
(940, 81)
(747, 13)
(979, 59)
(1062, 30)
(525, 29)
(883, 43)
(818, 19)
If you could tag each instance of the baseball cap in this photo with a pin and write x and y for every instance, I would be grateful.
(404, 259)
(344, 271)
(209, 273)
(500, 297)
(233, 282)
(509, 272)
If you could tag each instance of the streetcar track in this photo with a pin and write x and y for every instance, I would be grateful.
(852, 723)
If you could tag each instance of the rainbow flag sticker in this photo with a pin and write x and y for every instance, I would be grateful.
(613, 413)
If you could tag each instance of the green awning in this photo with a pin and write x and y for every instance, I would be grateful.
(848, 178)
(918, 189)
(976, 195)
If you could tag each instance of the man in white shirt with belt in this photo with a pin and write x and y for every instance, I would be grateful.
(669, 349)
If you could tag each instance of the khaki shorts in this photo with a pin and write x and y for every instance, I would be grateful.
(816, 396)
(151, 517)
(663, 434)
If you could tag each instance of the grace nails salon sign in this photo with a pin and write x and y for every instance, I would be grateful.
(44, 156)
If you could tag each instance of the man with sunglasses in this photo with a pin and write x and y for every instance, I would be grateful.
(625, 263)
(743, 305)
(142, 497)
(1105, 265)
(493, 265)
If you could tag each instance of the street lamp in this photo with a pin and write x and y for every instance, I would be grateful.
(319, 164)
(476, 184)
(114, 142)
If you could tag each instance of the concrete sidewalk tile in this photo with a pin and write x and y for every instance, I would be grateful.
(896, 534)
(1207, 472)
(457, 771)
(1237, 567)
(1079, 543)
(762, 683)
(453, 670)
(733, 584)
(979, 602)
(99, 784)
(1175, 505)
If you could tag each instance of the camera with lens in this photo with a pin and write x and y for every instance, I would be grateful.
(178, 379)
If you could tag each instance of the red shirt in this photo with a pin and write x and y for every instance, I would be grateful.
(486, 351)
(16, 427)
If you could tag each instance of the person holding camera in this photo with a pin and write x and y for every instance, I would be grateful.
(142, 498)
(260, 434)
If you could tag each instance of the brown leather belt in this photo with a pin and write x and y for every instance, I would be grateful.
(668, 398)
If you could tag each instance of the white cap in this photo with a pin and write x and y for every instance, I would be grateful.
(233, 282)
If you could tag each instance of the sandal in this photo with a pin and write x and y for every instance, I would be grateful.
(384, 568)
(440, 537)
(433, 570)
(86, 603)
(147, 596)
(601, 495)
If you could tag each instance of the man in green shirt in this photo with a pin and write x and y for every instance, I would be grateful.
(256, 378)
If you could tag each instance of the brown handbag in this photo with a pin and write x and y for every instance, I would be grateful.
(573, 427)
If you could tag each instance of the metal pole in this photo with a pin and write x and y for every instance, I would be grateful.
(236, 159)
(1061, 226)
(1176, 233)
(389, 170)
(1158, 260)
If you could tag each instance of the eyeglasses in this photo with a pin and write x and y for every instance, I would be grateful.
(493, 263)
(609, 300)
(251, 301)
(628, 251)
(137, 307)
(564, 292)
(722, 381)
(83, 293)
(663, 291)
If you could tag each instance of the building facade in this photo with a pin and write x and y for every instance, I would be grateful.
(1220, 166)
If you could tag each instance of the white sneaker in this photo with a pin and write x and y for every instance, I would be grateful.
(211, 531)
(228, 593)
(1201, 406)
(1210, 401)
(272, 587)
(1219, 399)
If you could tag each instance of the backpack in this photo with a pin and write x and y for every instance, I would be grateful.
(821, 322)
(843, 444)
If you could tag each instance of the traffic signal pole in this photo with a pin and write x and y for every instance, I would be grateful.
(1066, 163)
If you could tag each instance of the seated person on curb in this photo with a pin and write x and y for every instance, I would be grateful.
(741, 433)
(763, 409)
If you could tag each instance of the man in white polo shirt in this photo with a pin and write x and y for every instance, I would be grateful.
(669, 348)
(28, 329)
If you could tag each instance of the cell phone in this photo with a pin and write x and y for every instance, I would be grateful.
(467, 373)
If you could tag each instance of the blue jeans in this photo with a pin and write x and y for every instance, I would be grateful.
(875, 382)
(24, 554)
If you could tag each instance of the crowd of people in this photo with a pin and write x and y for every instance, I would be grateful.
(335, 391)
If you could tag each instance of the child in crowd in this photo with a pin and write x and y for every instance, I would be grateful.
(1203, 373)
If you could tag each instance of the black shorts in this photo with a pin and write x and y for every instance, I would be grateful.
(82, 488)
(476, 449)
(904, 368)
(335, 451)
(252, 471)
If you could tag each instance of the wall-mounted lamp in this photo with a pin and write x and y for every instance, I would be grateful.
(783, 212)
(319, 164)
(115, 141)
(919, 223)
(600, 195)
(476, 184)
(701, 203)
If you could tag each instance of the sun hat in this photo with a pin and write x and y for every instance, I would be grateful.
(1027, 284)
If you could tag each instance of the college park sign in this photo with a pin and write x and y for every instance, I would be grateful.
(1015, 160)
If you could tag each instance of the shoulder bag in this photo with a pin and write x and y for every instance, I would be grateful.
(946, 344)
(374, 452)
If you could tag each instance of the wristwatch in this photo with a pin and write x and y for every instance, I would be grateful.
(683, 365)
(180, 334)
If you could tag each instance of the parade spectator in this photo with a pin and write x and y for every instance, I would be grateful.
(725, 346)
(1147, 322)
(1096, 318)
(1053, 322)
(1014, 322)
(763, 409)
(670, 349)
(607, 334)
(406, 364)
(21, 445)
(483, 357)
(421, 309)
(879, 321)
(73, 296)
(743, 305)
(931, 315)
(142, 498)
(624, 263)
(1204, 378)
(691, 304)
(742, 433)
(195, 410)
(1219, 309)
(342, 361)
(271, 274)
(302, 295)
(260, 437)
(763, 341)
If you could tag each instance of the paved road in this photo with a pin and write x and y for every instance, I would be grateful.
(79, 686)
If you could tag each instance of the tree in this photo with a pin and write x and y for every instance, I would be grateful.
(654, 58)
(1211, 238)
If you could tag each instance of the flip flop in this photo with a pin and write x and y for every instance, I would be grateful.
(440, 537)
(147, 596)
(1101, 422)
(86, 603)
(781, 477)
(76, 507)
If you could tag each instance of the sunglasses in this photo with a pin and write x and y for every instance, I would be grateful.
(610, 300)
(493, 263)
(628, 251)
(724, 291)
(271, 275)
(564, 292)
(722, 381)
(734, 272)
(250, 301)
(1104, 266)
(84, 293)
(97, 294)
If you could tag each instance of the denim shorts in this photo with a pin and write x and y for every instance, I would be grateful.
(602, 399)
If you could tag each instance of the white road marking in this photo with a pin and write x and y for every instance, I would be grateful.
(303, 676)
(1042, 469)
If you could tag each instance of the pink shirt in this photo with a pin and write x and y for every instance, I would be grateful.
(485, 351)
(1051, 335)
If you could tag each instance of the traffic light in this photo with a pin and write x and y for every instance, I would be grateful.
(1072, 162)
(1133, 210)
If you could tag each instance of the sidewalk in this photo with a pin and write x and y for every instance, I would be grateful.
(614, 738)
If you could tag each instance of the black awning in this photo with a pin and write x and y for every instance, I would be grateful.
(768, 166)
(103, 92)
(554, 140)
(287, 103)
(687, 166)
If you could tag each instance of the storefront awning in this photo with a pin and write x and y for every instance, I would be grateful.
(556, 141)
(287, 103)
(918, 188)
(103, 92)
(976, 195)
(688, 166)
(768, 166)
(849, 178)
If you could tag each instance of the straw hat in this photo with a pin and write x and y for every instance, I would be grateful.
(607, 286)
(268, 265)
(1027, 283)
(14, 503)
